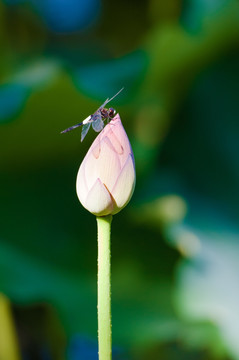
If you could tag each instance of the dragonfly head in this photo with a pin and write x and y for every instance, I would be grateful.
(112, 113)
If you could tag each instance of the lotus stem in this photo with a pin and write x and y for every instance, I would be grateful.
(104, 288)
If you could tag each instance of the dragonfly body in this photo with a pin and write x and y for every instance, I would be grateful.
(96, 120)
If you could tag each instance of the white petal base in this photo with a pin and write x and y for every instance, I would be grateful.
(98, 201)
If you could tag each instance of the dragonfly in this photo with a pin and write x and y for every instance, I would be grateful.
(96, 120)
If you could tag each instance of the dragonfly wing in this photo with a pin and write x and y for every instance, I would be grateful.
(85, 129)
(103, 105)
(109, 99)
(97, 123)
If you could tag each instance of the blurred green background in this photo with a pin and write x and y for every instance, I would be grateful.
(175, 248)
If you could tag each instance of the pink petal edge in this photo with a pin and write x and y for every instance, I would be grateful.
(125, 184)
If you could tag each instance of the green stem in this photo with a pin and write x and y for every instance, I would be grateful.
(104, 293)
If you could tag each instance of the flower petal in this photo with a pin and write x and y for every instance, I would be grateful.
(117, 136)
(124, 186)
(81, 185)
(106, 167)
(99, 201)
(113, 142)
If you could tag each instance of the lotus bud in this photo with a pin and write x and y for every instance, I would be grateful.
(106, 177)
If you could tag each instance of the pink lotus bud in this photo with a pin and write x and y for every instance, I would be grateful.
(106, 178)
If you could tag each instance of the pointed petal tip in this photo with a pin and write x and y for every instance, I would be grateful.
(116, 118)
(99, 201)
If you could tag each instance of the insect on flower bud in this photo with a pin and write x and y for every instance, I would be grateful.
(106, 177)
